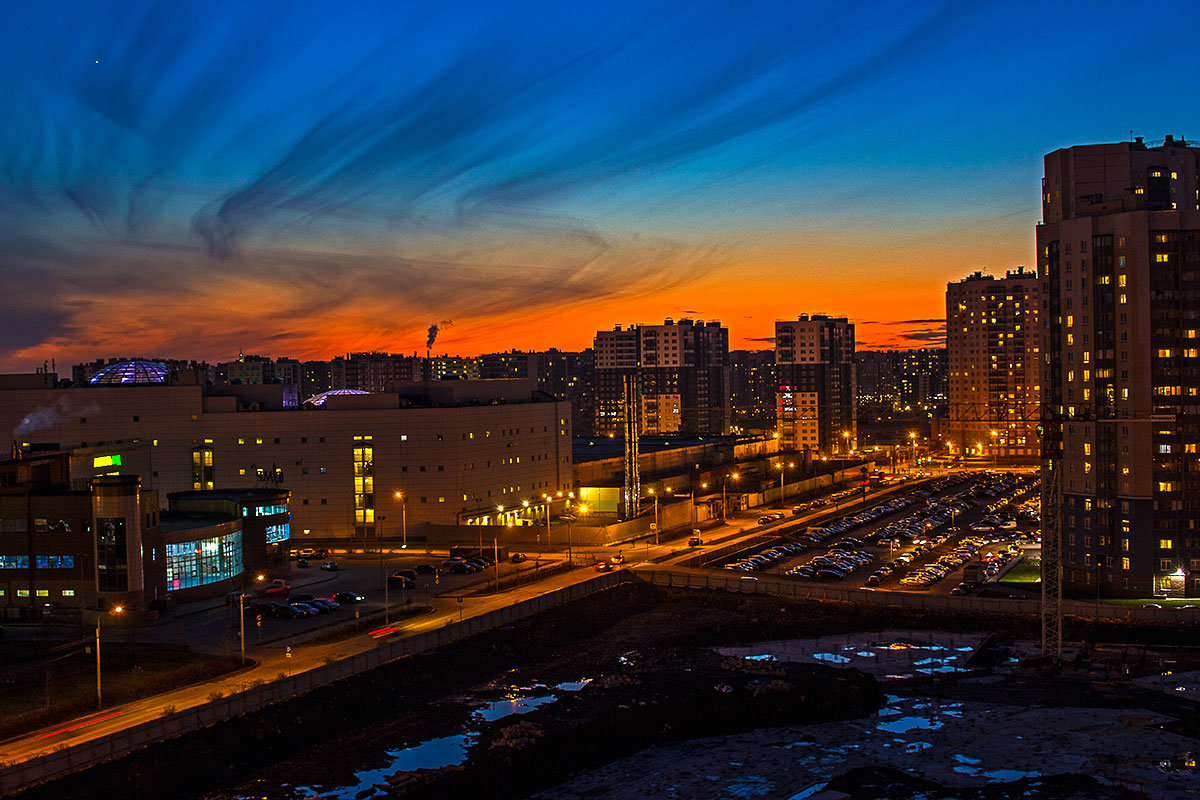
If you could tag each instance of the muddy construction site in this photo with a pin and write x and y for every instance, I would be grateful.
(641, 692)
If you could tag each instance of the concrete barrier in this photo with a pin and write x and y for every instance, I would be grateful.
(800, 589)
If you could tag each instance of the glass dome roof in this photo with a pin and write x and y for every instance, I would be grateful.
(130, 372)
(319, 399)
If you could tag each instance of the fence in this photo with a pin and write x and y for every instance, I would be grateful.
(86, 754)
(807, 590)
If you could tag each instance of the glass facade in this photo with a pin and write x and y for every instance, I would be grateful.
(111, 564)
(267, 510)
(14, 562)
(203, 561)
(56, 562)
(279, 533)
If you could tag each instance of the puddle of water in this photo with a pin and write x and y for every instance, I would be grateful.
(433, 754)
(865, 654)
(960, 758)
(1006, 775)
(509, 706)
(832, 658)
(905, 724)
(572, 686)
(761, 657)
(809, 792)
(916, 747)
(749, 786)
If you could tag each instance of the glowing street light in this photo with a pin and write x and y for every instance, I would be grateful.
(115, 611)
(399, 495)
(724, 480)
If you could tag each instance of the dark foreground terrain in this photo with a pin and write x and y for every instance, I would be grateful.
(510, 702)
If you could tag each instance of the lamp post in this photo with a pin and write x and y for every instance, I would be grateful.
(656, 525)
(782, 471)
(912, 438)
(725, 480)
(379, 538)
(547, 498)
(100, 616)
(845, 442)
(995, 454)
(403, 519)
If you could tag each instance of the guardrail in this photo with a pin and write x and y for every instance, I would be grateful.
(797, 589)
(86, 754)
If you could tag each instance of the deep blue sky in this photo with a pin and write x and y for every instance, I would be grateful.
(310, 178)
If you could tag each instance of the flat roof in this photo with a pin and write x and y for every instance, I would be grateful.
(173, 521)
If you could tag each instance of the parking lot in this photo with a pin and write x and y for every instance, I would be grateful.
(919, 541)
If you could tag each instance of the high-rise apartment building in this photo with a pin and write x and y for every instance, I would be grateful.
(902, 380)
(683, 377)
(752, 389)
(816, 400)
(993, 343)
(1119, 249)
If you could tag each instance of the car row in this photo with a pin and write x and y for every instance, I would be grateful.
(766, 558)
(300, 605)
(838, 562)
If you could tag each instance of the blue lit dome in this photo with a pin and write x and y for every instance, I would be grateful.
(130, 372)
(318, 400)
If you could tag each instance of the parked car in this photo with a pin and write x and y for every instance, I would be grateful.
(517, 558)
(330, 566)
(278, 587)
(302, 563)
(398, 581)
(426, 569)
(348, 597)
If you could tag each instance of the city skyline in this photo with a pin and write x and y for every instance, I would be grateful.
(194, 184)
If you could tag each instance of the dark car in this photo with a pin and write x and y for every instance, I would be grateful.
(300, 597)
(407, 573)
(399, 581)
(461, 568)
(302, 563)
(348, 597)
(517, 558)
(426, 569)
(330, 566)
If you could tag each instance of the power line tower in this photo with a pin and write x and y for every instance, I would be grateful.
(1051, 538)
(631, 413)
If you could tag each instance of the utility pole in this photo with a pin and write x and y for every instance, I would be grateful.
(242, 623)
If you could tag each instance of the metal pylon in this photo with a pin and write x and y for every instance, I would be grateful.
(1052, 559)
(631, 411)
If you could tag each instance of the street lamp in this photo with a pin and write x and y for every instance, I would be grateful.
(912, 438)
(845, 442)
(994, 452)
(116, 610)
(655, 496)
(547, 498)
(403, 519)
(724, 480)
(782, 471)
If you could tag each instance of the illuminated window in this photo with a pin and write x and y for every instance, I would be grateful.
(1161, 257)
(364, 480)
(202, 469)
(1164, 544)
(1120, 280)
(1124, 563)
(1123, 299)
